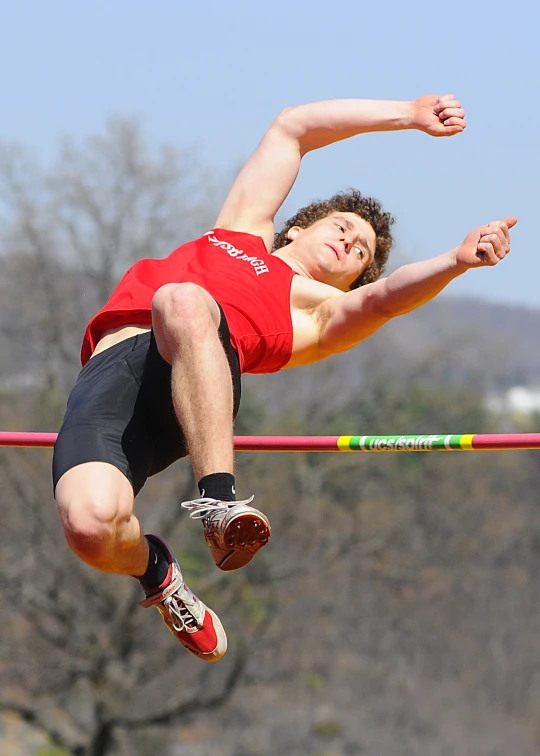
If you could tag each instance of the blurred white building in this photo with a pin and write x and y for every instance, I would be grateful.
(522, 400)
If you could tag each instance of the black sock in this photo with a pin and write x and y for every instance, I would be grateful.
(156, 572)
(218, 486)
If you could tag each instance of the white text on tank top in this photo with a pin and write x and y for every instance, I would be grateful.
(238, 254)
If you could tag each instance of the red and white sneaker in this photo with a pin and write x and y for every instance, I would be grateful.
(191, 622)
(234, 531)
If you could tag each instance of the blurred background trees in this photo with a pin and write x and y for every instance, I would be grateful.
(395, 609)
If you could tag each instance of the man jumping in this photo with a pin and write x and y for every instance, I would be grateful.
(162, 359)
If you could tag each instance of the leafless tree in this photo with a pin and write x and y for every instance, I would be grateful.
(79, 660)
(71, 230)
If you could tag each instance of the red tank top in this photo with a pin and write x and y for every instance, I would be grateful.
(252, 286)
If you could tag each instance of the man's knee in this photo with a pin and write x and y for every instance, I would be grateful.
(91, 522)
(182, 301)
(182, 313)
(184, 305)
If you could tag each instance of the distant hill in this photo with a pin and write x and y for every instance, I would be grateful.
(449, 340)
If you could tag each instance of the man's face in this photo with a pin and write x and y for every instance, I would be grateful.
(336, 249)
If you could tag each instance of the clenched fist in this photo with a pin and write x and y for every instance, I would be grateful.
(438, 115)
(486, 245)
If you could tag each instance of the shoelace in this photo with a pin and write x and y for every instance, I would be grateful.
(179, 611)
(210, 509)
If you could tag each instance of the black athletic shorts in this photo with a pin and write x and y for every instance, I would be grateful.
(120, 411)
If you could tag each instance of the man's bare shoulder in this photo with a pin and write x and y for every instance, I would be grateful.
(307, 294)
(307, 313)
(318, 309)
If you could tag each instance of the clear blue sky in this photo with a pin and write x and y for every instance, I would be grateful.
(216, 74)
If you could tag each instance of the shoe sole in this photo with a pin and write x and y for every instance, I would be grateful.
(244, 535)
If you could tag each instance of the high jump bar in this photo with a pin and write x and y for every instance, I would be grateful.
(391, 443)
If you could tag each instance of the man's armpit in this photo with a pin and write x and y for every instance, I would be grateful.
(323, 313)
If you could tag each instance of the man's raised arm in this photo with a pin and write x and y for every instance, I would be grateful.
(351, 317)
(265, 181)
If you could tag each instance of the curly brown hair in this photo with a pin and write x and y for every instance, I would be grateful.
(352, 201)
